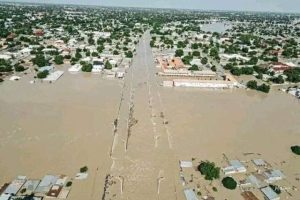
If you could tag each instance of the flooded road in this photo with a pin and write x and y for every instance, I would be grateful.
(143, 163)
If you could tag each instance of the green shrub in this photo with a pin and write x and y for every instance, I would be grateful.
(69, 184)
(296, 149)
(84, 169)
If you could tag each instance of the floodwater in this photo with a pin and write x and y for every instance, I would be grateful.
(58, 128)
(132, 133)
(219, 27)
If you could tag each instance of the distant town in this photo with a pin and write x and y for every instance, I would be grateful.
(139, 99)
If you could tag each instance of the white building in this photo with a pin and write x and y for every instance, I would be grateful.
(234, 167)
(75, 68)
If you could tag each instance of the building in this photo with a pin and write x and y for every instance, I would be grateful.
(75, 68)
(14, 187)
(54, 191)
(5, 197)
(39, 32)
(279, 67)
(273, 175)
(248, 195)
(30, 186)
(233, 56)
(54, 76)
(269, 193)
(235, 167)
(190, 194)
(5, 57)
(45, 185)
(253, 181)
(259, 162)
(98, 65)
(214, 84)
(48, 68)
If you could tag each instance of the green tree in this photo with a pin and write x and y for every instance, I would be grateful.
(204, 61)
(43, 74)
(229, 183)
(194, 68)
(213, 68)
(263, 88)
(209, 170)
(87, 67)
(19, 68)
(296, 149)
(196, 53)
(40, 60)
(178, 53)
(252, 84)
(129, 54)
(107, 65)
(59, 60)
(83, 169)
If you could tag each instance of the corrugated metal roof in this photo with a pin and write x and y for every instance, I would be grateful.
(190, 194)
(269, 193)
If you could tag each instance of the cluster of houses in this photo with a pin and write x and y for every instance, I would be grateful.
(51, 186)
(256, 179)
(75, 43)
(261, 179)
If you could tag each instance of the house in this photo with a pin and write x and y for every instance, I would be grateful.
(30, 186)
(273, 175)
(54, 76)
(234, 167)
(39, 32)
(5, 197)
(279, 67)
(120, 74)
(234, 56)
(98, 65)
(5, 57)
(190, 194)
(14, 187)
(45, 185)
(269, 193)
(253, 181)
(75, 68)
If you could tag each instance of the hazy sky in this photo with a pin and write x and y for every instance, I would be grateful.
(253, 5)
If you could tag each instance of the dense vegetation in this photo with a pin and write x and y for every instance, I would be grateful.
(209, 170)
(263, 88)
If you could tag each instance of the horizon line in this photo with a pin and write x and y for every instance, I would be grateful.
(141, 7)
